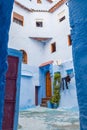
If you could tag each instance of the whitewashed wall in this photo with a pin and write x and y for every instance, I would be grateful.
(19, 36)
(38, 52)
(59, 33)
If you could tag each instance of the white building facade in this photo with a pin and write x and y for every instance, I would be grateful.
(41, 30)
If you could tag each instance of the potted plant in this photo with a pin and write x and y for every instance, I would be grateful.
(55, 99)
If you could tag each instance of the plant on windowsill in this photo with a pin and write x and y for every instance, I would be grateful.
(55, 99)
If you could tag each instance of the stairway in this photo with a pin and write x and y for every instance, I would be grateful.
(44, 102)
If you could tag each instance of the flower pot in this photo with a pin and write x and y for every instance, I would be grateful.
(55, 105)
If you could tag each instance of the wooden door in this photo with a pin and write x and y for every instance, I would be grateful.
(10, 93)
(36, 95)
(48, 85)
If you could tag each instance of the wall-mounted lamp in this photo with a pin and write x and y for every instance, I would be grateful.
(58, 63)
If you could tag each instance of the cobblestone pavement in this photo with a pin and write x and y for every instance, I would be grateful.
(49, 119)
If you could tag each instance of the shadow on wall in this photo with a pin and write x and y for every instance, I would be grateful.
(69, 96)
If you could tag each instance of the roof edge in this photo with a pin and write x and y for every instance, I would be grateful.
(56, 6)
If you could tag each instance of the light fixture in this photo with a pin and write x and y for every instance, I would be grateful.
(58, 62)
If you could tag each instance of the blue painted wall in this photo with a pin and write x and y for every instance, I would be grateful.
(32, 76)
(78, 22)
(29, 79)
(5, 16)
(68, 96)
(27, 92)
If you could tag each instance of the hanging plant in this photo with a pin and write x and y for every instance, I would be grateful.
(55, 99)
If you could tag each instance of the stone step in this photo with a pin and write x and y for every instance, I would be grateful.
(47, 98)
(44, 102)
(43, 105)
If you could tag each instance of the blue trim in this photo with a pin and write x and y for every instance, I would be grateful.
(18, 54)
(42, 72)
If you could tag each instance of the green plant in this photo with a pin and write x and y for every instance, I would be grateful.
(56, 89)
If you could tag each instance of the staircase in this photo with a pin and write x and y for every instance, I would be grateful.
(44, 102)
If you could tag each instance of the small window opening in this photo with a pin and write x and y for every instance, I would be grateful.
(39, 24)
(53, 47)
(24, 57)
(69, 40)
(17, 18)
(39, 1)
(61, 19)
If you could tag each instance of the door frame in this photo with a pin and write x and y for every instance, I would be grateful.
(16, 53)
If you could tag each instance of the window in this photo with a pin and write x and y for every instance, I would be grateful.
(53, 47)
(24, 57)
(61, 16)
(39, 24)
(61, 19)
(39, 1)
(50, 1)
(69, 40)
(17, 18)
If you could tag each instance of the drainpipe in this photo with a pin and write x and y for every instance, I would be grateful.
(5, 18)
(78, 23)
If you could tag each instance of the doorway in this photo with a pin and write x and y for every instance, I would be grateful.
(48, 85)
(36, 95)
